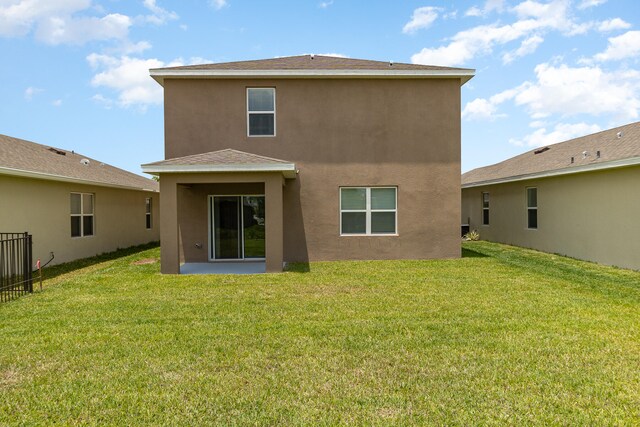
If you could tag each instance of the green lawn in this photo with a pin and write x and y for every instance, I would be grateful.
(501, 336)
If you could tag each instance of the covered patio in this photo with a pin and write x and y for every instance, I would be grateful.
(221, 212)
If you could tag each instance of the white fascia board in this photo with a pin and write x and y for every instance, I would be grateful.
(287, 169)
(59, 178)
(558, 172)
(160, 74)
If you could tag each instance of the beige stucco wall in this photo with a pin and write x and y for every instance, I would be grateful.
(42, 208)
(340, 132)
(590, 216)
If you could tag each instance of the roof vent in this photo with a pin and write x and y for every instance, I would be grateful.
(619, 134)
(541, 150)
(598, 154)
(85, 162)
(312, 56)
(55, 150)
(585, 154)
(572, 159)
(390, 63)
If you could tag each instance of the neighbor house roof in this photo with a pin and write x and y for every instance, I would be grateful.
(227, 160)
(617, 147)
(311, 66)
(28, 159)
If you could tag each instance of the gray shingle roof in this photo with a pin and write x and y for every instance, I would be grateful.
(18, 155)
(221, 161)
(222, 157)
(307, 62)
(558, 156)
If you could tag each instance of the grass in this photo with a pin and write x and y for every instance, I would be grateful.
(501, 336)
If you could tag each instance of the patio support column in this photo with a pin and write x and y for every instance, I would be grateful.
(274, 223)
(169, 249)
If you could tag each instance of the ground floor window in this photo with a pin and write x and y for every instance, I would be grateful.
(485, 208)
(368, 211)
(148, 213)
(532, 208)
(82, 221)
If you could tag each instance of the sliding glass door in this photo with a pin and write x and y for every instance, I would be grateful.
(237, 227)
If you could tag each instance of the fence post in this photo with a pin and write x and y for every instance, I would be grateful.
(29, 263)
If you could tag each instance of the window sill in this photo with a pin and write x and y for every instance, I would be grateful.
(369, 235)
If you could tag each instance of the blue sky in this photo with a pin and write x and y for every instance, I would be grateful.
(75, 72)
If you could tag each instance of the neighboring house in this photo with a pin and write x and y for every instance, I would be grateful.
(309, 158)
(579, 198)
(74, 206)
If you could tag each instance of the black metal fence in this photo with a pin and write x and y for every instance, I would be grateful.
(16, 274)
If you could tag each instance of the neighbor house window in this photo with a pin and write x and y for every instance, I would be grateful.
(485, 208)
(532, 207)
(261, 111)
(368, 210)
(82, 223)
(148, 212)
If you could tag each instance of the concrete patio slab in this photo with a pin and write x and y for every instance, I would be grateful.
(237, 267)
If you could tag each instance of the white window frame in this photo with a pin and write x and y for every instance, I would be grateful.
(531, 208)
(368, 212)
(262, 112)
(485, 208)
(148, 201)
(82, 214)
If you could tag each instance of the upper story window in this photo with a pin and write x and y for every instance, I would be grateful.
(261, 111)
(81, 214)
(532, 208)
(368, 210)
(148, 213)
(485, 208)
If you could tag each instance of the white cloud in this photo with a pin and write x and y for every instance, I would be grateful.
(127, 47)
(624, 46)
(533, 18)
(325, 4)
(218, 4)
(612, 25)
(56, 102)
(450, 15)
(561, 132)
(56, 30)
(105, 102)
(585, 4)
(31, 91)
(57, 21)
(473, 11)
(422, 17)
(158, 15)
(479, 109)
(489, 6)
(528, 46)
(129, 78)
(568, 91)
(487, 109)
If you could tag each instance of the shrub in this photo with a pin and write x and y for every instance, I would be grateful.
(472, 235)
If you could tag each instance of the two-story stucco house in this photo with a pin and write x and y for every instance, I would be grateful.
(309, 158)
